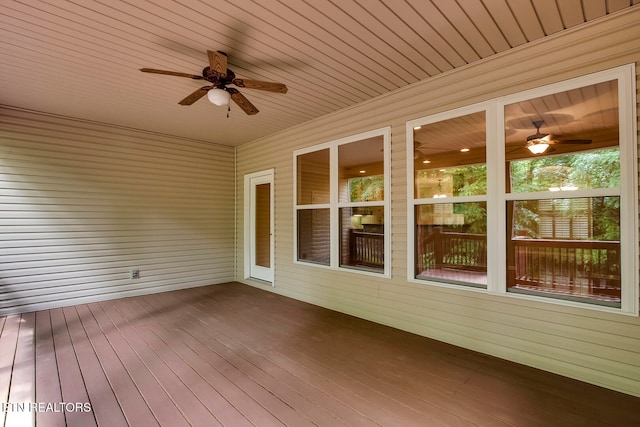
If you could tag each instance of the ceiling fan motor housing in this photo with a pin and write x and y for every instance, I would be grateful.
(216, 79)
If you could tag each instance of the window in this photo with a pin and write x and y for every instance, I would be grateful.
(450, 187)
(342, 203)
(312, 217)
(563, 200)
(550, 214)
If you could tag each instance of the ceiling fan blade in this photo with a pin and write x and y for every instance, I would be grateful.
(242, 102)
(171, 73)
(194, 96)
(260, 85)
(537, 135)
(575, 141)
(218, 62)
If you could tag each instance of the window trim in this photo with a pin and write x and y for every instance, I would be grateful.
(334, 204)
(497, 196)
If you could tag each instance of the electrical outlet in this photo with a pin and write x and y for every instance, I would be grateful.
(135, 273)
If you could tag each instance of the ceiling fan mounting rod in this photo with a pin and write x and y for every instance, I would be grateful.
(538, 124)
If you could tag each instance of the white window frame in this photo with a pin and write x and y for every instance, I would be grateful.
(413, 201)
(334, 205)
(497, 197)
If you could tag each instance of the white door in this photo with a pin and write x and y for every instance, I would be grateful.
(259, 225)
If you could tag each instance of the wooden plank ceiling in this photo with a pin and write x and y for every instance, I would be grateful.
(81, 58)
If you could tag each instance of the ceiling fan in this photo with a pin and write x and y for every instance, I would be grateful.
(220, 76)
(538, 143)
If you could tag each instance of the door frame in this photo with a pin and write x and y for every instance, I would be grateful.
(250, 181)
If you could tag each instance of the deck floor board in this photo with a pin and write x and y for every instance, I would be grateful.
(71, 377)
(46, 369)
(233, 355)
(22, 387)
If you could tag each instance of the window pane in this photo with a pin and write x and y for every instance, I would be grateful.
(364, 189)
(567, 172)
(262, 234)
(456, 181)
(362, 238)
(313, 177)
(577, 132)
(314, 242)
(361, 170)
(565, 248)
(451, 243)
(450, 156)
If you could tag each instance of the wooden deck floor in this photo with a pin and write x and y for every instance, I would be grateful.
(234, 355)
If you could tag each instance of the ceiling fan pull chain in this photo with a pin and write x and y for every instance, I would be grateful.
(228, 110)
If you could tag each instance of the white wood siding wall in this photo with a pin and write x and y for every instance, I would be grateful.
(589, 345)
(82, 204)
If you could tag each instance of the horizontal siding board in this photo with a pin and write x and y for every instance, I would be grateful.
(81, 204)
(609, 345)
(59, 144)
(110, 145)
(89, 240)
(103, 293)
(73, 166)
(143, 260)
(92, 210)
(124, 248)
(109, 178)
(31, 244)
(92, 129)
(598, 347)
(121, 262)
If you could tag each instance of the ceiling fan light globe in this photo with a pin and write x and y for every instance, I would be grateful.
(538, 147)
(219, 97)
